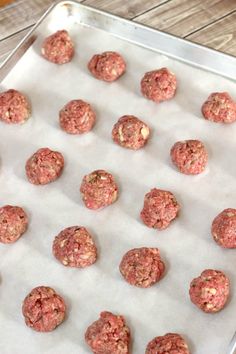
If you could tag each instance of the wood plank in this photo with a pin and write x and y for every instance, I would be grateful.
(221, 35)
(12, 20)
(125, 8)
(8, 44)
(21, 14)
(182, 17)
(5, 2)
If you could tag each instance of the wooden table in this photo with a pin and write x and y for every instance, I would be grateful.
(209, 22)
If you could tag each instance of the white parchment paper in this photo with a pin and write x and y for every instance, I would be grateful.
(186, 246)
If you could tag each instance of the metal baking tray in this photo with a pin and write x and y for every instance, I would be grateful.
(170, 45)
(178, 119)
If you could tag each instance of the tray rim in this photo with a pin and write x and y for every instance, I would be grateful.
(30, 37)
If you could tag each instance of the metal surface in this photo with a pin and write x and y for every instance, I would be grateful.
(22, 47)
(232, 346)
(180, 49)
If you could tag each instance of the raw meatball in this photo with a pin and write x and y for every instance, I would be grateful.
(98, 189)
(142, 267)
(77, 117)
(170, 343)
(58, 48)
(189, 156)
(43, 309)
(108, 66)
(159, 209)
(13, 223)
(219, 108)
(74, 247)
(44, 166)
(14, 107)
(108, 335)
(224, 228)
(210, 290)
(130, 132)
(158, 85)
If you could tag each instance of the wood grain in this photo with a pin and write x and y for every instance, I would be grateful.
(125, 8)
(10, 43)
(21, 14)
(209, 22)
(4, 2)
(221, 35)
(182, 17)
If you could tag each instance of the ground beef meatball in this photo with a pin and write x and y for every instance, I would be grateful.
(189, 156)
(142, 267)
(219, 108)
(108, 66)
(43, 309)
(14, 107)
(98, 189)
(44, 166)
(13, 223)
(210, 290)
(77, 117)
(108, 335)
(158, 85)
(224, 228)
(159, 209)
(170, 343)
(74, 247)
(130, 132)
(58, 48)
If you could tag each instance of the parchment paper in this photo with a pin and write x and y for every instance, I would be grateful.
(186, 246)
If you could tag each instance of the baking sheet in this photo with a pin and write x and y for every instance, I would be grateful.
(186, 246)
